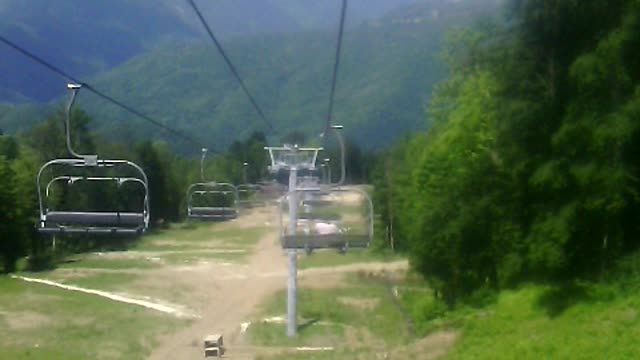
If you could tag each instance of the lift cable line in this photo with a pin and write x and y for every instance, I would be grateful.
(97, 92)
(229, 63)
(336, 65)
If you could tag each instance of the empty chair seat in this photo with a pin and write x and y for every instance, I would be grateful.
(106, 219)
(213, 211)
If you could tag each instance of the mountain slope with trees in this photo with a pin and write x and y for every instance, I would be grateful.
(88, 37)
(387, 70)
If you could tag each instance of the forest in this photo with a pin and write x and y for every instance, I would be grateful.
(529, 172)
(169, 176)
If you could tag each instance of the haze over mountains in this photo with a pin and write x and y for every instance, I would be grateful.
(153, 55)
(92, 36)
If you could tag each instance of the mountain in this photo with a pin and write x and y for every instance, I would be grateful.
(88, 37)
(388, 67)
(83, 37)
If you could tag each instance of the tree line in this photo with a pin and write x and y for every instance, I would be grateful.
(169, 175)
(530, 168)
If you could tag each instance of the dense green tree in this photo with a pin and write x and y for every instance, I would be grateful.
(530, 168)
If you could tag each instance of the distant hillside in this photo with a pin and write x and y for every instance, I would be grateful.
(82, 36)
(88, 37)
(388, 69)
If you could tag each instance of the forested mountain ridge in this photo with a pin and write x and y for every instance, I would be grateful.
(94, 36)
(387, 70)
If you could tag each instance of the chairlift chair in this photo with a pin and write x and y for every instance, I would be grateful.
(89, 169)
(343, 234)
(307, 199)
(210, 200)
(314, 203)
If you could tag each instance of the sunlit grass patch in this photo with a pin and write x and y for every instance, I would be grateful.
(94, 261)
(196, 236)
(319, 355)
(195, 257)
(327, 258)
(41, 322)
(331, 311)
(240, 237)
(183, 232)
(526, 324)
(313, 334)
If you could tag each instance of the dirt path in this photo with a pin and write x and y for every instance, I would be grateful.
(225, 295)
(227, 301)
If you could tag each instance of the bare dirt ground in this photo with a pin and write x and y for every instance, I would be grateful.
(226, 295)
(223, 294)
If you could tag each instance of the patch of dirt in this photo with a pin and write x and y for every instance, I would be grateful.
(360, 303)
(152, 254)
(322, 280)
(194, 245)
(366, 268)
(25, 320)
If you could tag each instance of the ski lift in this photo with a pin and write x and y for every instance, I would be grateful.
(210, 200)
(127, 214)
(321, 216)
(343, 221)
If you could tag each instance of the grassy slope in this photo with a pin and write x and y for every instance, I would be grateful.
(578, 321)
(325, 321)
(540, 322)
(40, 322)
(329, 258)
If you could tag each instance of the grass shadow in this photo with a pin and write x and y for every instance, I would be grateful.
(558, 299)
(41, 263)
(308, 323)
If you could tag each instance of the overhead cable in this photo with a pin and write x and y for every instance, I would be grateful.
(233, 69)
(336, 65)
(97, 92)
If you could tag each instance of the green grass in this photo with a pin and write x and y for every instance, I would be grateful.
(540, 322)
(330, 311)
(191, 236)
(42, 322)
(314, 335)
(190, 248)
(95, 262)
(192, 257)
(320, 355)
(327, 258)
(184, 232)
(241, 237)
(576, 321)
